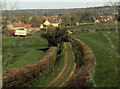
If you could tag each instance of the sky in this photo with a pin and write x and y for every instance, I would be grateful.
(61, 0)
(54, 4)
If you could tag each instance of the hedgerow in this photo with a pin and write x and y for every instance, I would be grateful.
(15, 77)
(85, 61)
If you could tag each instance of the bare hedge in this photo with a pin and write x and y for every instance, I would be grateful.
(86, 70)
(17, 76)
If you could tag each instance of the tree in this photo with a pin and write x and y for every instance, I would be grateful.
(80, 16)
(55, 36)
(35, 20)
(114, 8)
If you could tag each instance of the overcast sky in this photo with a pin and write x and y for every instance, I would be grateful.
(54, 4)
(62, 0)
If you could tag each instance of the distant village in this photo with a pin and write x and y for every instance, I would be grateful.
(20, 28)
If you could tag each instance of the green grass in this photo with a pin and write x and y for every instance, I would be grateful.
(50, 75)
(106, 59)
(113, 38)
(18, 51)
(96, 26)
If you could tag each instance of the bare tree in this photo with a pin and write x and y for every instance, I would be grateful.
(114, 6)
(8, 4)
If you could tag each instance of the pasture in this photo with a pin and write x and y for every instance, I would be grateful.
(18, 51)
(96, 26)
(105, 51)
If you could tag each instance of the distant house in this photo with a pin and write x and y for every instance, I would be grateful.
(104, 20)
(47, 23)
(16, 26)
(53, 22)
(97, 21)
(109, 17)
(10, 27)
(41, 26)
(28, 27)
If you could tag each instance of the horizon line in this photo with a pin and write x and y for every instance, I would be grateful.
(57, 8)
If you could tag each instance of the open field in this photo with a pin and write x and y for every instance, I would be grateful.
(18, 51)
(96, 26)
(106, 71)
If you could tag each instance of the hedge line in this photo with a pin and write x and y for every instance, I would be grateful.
(91, 30)
(17, 76)
(87, 63)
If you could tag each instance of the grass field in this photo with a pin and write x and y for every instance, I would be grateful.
(96, 26)
(18, 51)
(106, 71)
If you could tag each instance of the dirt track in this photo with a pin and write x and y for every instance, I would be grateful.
(68, 69)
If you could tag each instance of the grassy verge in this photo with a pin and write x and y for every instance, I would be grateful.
(18, 51)
(106, 71)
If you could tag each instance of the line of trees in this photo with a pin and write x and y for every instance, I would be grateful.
(80, 16)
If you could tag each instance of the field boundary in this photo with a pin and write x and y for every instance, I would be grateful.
(15, 77)
(91, 30)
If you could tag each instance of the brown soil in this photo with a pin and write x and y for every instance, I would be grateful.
(61, 74)
(65, 65)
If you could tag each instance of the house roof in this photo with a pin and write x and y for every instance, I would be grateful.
(28, 25)
(51, 19)
(18, 24)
